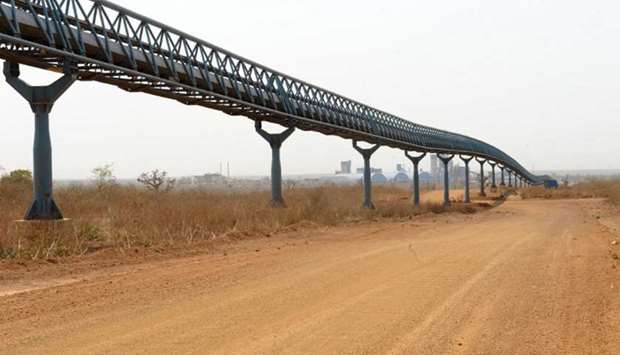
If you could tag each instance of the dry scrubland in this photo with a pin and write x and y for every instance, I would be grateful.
(609, 189)
(121, 217)
(530, 277)
(537, 276)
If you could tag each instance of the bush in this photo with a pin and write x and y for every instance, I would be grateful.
(20, 176)
(103, 177)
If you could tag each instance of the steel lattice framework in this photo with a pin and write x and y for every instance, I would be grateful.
(101, 41)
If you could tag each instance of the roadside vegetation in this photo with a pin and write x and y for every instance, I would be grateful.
(159, 216)
(609, 189)
(106, 215)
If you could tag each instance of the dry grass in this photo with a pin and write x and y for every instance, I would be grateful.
(129, 217)
(609, 189)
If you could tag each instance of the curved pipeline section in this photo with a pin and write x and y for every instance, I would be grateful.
(101, 41)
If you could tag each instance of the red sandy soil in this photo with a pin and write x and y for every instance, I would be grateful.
(527, 277)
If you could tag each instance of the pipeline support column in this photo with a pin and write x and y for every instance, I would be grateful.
(445, 159)
(466, 161)
(41, 100)
(503, 182)
(367, 154)
(482, 161)
(493, 181)
(416, 176)
(275, 141)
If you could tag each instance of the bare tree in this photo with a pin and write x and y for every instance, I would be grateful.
(157, 181)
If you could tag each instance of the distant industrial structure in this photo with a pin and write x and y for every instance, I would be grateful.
(345, 168)
(378, 175)
(346, 174)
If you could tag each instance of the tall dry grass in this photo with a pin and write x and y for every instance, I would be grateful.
(609, 189)
(125, 217)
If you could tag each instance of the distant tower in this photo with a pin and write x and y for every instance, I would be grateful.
(345, 167)
(435, 173)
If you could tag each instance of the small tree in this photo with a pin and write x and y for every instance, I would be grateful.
(103, 176)
(157, 181)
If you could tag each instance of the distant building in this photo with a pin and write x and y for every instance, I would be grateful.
(401, 177)
(379, 178)
(426, 178)
(345, 168)
(210, 179)
(372, 171)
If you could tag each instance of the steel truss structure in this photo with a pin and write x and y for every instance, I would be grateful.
(100, 41)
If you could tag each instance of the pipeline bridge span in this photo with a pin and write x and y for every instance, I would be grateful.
(97, 40)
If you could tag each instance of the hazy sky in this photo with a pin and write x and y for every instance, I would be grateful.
(539, 79)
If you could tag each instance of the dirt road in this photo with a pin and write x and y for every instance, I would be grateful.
(535, 277)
